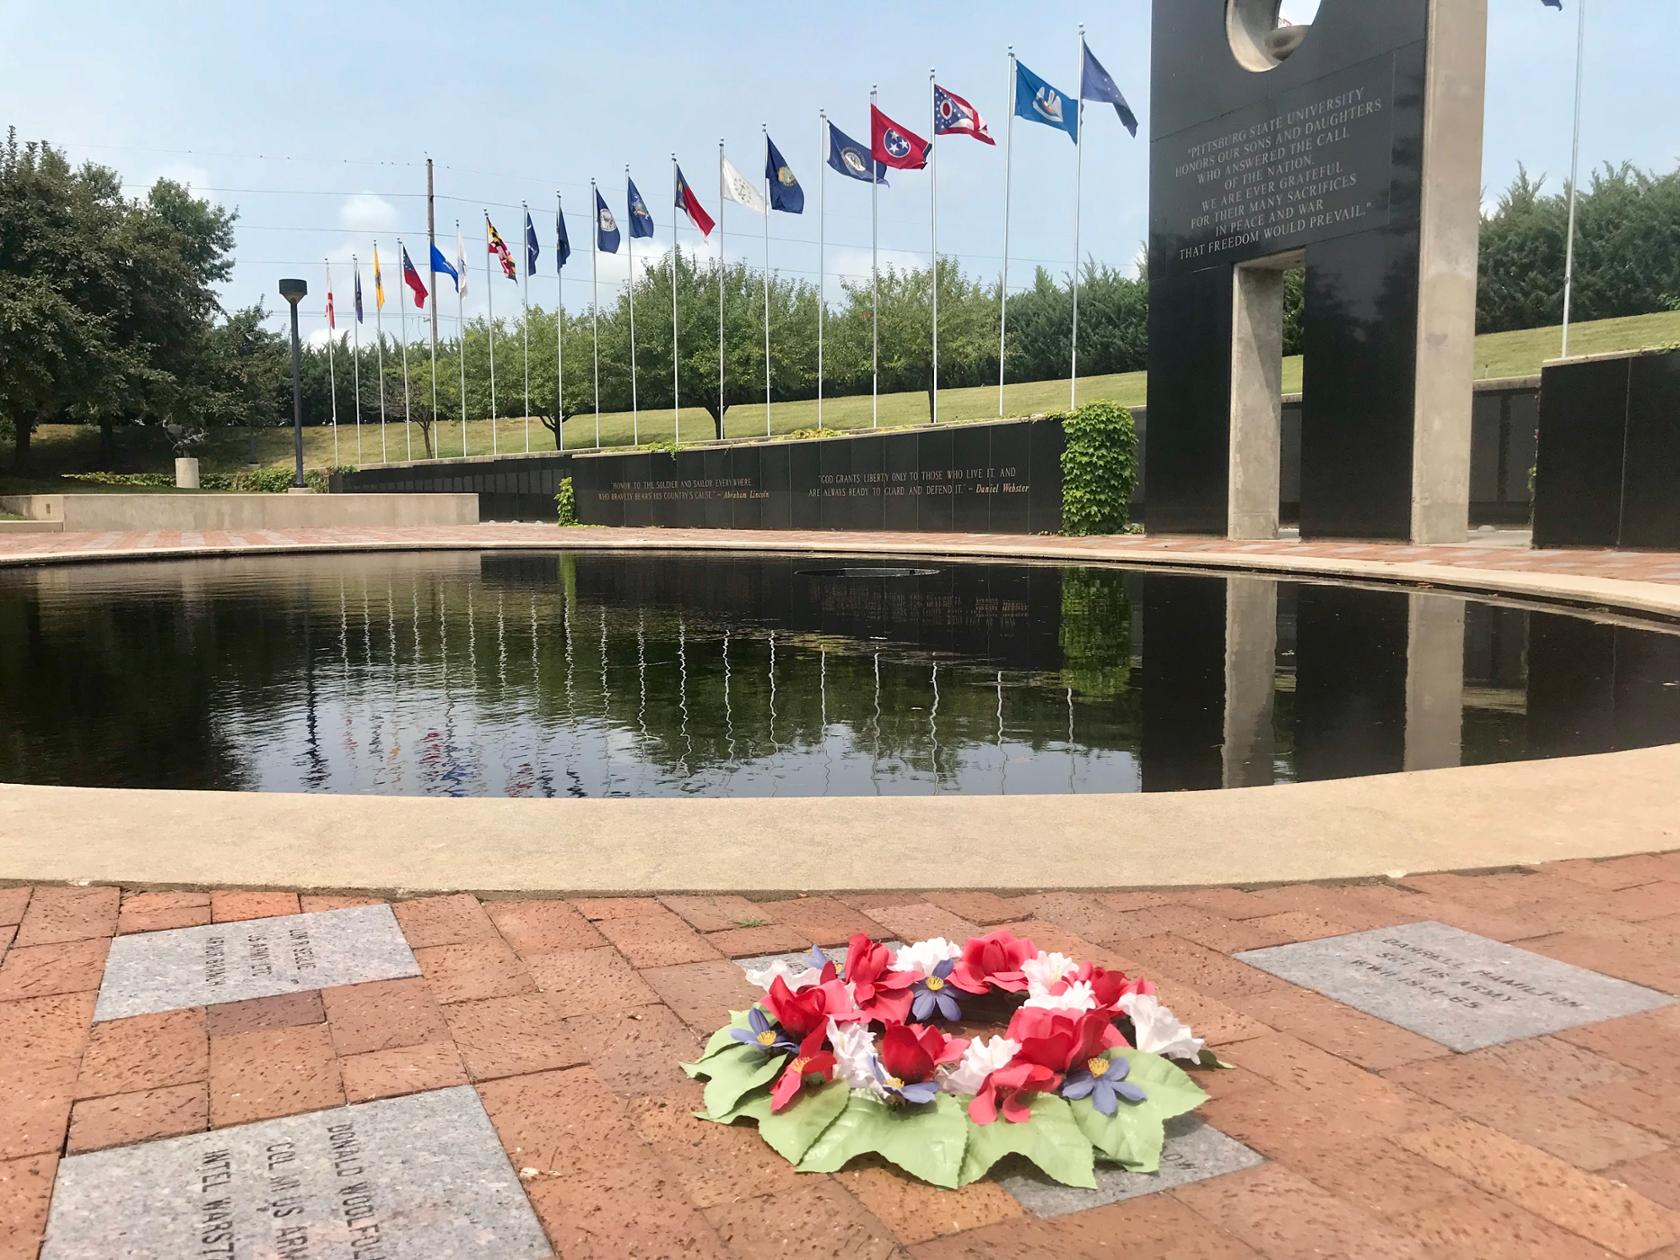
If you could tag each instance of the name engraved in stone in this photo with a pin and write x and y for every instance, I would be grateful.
(215, 1207)
(215, 961)
(1309, 167)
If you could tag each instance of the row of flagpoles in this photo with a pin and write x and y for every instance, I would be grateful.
(891, 146)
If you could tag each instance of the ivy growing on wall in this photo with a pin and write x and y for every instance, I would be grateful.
(1099, 469)
(565, 502)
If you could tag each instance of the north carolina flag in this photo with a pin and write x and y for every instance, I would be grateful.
(378, 280)
(953, 116)
(497, 246)
(331, 323)
(411, 278)
(690, 205)
(895, 146)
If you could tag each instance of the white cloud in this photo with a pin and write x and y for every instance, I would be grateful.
(366, 212)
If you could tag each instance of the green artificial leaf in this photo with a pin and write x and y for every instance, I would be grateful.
(1051, 1140)
(755, 1106)
(791, 1131)
(722, 1039)
(926, 1142)
(1133, 1135)
(736, 1073)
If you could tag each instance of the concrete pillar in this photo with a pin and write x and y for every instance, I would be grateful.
(1256, 401)
(1448, 240)
(1434, 682)
(1250, 680)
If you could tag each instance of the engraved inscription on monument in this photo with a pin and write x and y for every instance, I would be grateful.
(402, 1179)
(230, 962)
(1462, 990)
(1258, 182)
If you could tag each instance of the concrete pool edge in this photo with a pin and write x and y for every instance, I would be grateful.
(1466, 818)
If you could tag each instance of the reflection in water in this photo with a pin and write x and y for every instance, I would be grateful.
(552, 674)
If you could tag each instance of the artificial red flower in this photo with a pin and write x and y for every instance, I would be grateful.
(879, 992)
(911, 1052)
(1108, 987)
(1060, 1040)
(1011, 1087)
(993, 961)
(812, 1063)
(799, 1013)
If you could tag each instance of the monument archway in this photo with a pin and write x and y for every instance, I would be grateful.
(1352, 148)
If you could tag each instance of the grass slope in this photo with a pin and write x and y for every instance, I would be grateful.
(66, 448)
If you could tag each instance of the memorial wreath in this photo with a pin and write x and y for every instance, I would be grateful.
(860, 1058)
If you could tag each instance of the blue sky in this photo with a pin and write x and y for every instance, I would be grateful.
(314, 119)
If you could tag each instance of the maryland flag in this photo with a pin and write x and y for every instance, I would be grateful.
(378, 280)
(498, 247)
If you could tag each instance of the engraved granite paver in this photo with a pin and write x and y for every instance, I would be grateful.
(1194, 1151)
(230, 962)
(1462, 990)
(416, 1178)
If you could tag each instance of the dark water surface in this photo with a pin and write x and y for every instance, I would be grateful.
(550, 674)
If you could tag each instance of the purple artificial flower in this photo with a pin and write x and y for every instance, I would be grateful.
(763, 1034)
(934, 993)
(1104, 1082)
(915, 1092)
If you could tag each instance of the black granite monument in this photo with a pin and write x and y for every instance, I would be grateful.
(1352, 148)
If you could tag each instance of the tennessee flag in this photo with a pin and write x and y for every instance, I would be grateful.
(378, 281)
(895, 146)
(497, 246)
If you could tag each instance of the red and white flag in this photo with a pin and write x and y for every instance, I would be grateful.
(953, 116)
(331, 323)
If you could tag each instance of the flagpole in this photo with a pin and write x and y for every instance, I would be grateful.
(595, 298)
(490, 318)
(1574, 170)
(822, 252)
(379, 333)
(402, 314)
(356, 362)
(720, 425)
(1078, 178)
(874, 279)
(431, 265)
(435, 443)
(525, 301)
(332, 374)
(933, 232)
(630, 286)
(560, 330)
(765, 128)
(461, 328)
(1003, 282)
(676, 387)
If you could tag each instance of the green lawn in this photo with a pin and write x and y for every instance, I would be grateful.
(64, 448)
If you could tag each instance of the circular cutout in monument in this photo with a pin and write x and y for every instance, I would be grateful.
(1265, 33)
(868, 571)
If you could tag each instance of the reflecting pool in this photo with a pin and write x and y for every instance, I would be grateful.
(592, 674)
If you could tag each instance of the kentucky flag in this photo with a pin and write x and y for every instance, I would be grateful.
(606, 227)
(562, 242)
(1096, 84)
(532, 249)
(785, 192)
(1037, 101)
(851, 158)
(641, 222)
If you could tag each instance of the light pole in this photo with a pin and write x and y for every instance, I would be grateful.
(293, 291)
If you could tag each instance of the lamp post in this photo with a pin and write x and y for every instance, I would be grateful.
(293, 291)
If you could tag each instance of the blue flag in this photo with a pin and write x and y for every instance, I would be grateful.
(851, 158)
(606, 227)
(562, 242)
(531, 247)
(785, 192)
(358, 294)
(441, 266)
(1096, 84)
(1555, 4)
(1037, 101)
(641, 222)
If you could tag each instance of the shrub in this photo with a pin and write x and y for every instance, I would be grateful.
(565, 502)
(1099, 469)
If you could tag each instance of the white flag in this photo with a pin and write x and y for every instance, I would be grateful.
(738, 188)
(460, 263)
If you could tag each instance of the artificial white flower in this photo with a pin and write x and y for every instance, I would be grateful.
(854, 1056)
(1159, 1030)
(1045, 971)
(1076, 997)
(796, 975)
(983, 1057)
(924, 956)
